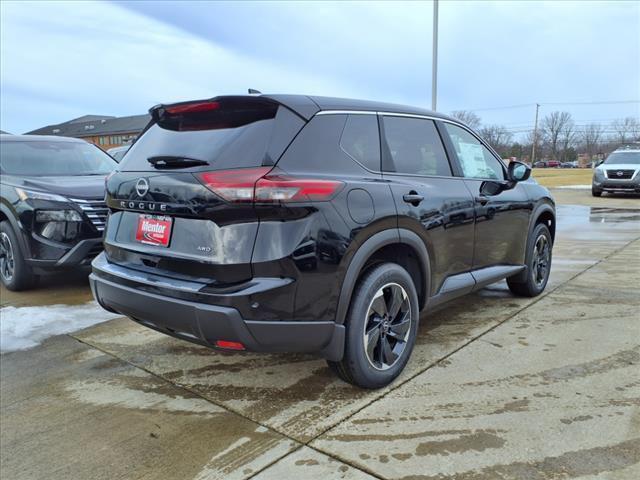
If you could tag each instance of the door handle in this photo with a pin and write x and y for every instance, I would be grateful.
(413, 198)
(482, 200)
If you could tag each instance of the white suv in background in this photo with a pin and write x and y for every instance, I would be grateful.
(620, 172)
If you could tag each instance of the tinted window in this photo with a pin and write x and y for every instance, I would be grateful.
(240, 141)
(43, 158)
(118, 155)
(317, 149)
(475, 159)
(630, 158)
(415, 147)
(360, 140)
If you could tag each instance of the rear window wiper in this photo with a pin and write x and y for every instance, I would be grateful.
(173, 161)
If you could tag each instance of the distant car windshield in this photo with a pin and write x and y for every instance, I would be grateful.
(51, 158)
(118, 153)
(630, 158)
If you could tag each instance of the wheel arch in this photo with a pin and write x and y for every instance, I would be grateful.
(7, 214)
(544, 213)
(395, 245)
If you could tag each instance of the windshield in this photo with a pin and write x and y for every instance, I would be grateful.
(52, 158)
(630, 158)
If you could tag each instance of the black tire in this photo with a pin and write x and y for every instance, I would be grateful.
(391, 349)
(15, 274)
(595, 192)
(533, 280)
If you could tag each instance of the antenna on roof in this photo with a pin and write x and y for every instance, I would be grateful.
(253, 91)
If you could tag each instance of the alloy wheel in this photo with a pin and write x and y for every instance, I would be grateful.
(541, 260)
(387, 327)
(7, 263)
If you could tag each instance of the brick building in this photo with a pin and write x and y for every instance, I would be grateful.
(104, 131)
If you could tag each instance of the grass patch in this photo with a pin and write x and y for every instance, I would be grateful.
(557, 177)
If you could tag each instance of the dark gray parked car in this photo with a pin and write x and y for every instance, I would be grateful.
(619, 173)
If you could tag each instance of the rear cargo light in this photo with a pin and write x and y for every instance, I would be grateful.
(195, 107)
(229, 345)
(264, 185)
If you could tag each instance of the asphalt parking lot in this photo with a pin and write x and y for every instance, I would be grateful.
(497, 387)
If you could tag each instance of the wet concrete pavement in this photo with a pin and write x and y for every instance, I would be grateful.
(497, 387)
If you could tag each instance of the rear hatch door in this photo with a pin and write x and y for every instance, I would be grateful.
(164, 219)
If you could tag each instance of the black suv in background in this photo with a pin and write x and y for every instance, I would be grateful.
(52, 211)
(307, 224)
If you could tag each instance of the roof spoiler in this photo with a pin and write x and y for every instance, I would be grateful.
(301, 105)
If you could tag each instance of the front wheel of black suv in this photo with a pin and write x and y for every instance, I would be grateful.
(595, 192)
(382, 325)
(538, 263)
(14, 271)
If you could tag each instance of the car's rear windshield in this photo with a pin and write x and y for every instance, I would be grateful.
(630, 158)
(230, 137)
(53, 158)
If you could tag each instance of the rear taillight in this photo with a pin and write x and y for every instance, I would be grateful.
(267, 185)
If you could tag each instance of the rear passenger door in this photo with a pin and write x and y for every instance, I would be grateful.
(429, 199)
(502, 220)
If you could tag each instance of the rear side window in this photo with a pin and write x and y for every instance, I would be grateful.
(414, 147)
(233, 136)
(317, 149)
(360, 140)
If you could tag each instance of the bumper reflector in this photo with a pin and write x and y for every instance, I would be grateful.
(229, 345)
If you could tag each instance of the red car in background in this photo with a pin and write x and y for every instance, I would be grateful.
(547, 164)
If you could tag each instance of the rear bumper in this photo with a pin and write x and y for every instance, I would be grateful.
(203, 323)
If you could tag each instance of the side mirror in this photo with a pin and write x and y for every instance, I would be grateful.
(518, 171)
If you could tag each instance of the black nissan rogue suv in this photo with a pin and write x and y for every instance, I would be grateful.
(52, 210)
(291, 223)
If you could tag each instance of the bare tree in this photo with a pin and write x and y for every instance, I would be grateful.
(591, 137)
(634, 129)
(567, 138)
(467, 117)
(626, 129)
(497, 136)
(557, 131)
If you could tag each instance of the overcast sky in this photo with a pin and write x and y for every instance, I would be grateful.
(61, 60)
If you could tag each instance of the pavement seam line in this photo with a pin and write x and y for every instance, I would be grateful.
(431, 365)
(187, 389)
(477, 337)
(300, 447)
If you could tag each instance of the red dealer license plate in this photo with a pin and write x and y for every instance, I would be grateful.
(154, 230)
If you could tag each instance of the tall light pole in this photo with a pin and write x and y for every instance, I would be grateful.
(434, 66)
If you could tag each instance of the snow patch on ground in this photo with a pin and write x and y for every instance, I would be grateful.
(575, 187)
(26, 327)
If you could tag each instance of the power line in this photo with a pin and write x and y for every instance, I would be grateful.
(524, 105)
(502, 108)
(610, 102)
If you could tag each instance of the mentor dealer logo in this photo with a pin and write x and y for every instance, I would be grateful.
(152, 227)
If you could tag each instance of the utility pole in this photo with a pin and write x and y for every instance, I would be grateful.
(535, 136)
(434, 66)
